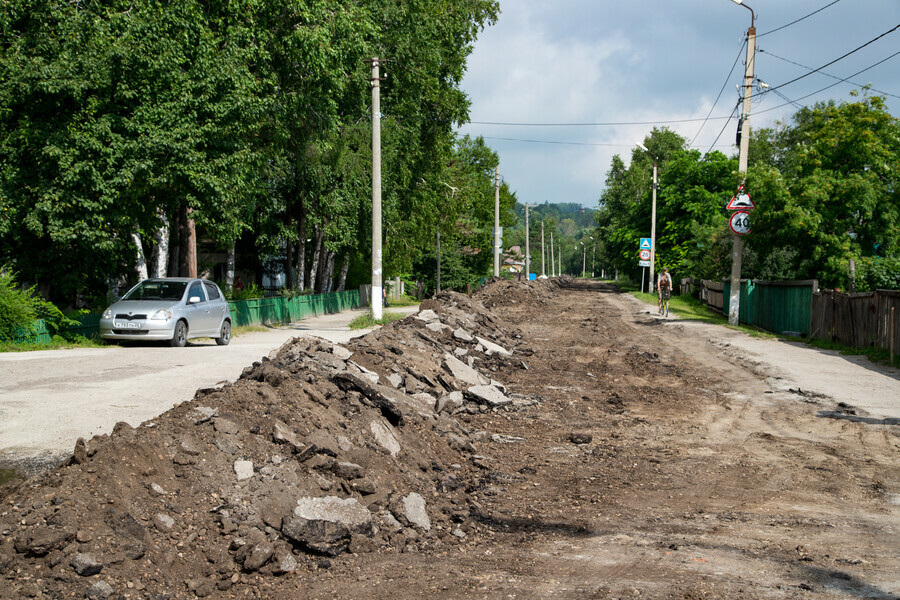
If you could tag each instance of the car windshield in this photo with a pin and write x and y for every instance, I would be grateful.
(157, 290)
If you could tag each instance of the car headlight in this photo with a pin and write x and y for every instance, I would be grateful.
(107, 314)
(163, 314)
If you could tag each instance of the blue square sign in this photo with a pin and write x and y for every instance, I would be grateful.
(645, 243)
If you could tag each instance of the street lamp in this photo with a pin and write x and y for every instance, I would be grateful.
(737, 249)
(653, 217)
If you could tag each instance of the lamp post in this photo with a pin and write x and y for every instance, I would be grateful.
(737, 249)
(652, 218)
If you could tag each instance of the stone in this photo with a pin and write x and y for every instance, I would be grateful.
(282, 434)
(415, 512)
(284, 562)
(326, 525)
(202, 414)
(41, 540)
(258, 555)
(384, 435)
(395, 379)
(436, 326)
(449, 402)
(243, 469)
(461, 351)
(189, 447)
(580, 438)
(463, 372)
(365, 486)
(427, 315)
(226, 424)
(322, 442)
(156, 489)
(227, 446)
(341, 352)
(463, 335)
(492, 348)
(100, 590)
(507, 439)
(85, 564)
(487, 395)
(163, 522)
(347, 470)
(370, 376)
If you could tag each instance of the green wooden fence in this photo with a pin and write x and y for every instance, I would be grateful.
(776, 306)
(262, 311)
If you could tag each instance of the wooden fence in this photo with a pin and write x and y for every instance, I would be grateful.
(858, 320)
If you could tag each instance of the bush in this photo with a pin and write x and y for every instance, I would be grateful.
(877, 274)
(19, 309)
(249, 292)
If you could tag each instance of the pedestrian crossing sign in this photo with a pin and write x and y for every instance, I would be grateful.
(645, 243)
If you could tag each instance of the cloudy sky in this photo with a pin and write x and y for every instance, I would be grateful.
(611, 70)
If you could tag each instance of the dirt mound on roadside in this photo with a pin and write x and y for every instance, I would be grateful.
(499, 291)
(315, 451)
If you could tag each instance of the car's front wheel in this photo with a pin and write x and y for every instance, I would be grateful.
(179, 337)
(224, 334)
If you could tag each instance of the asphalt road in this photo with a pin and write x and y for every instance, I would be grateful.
(50, 398)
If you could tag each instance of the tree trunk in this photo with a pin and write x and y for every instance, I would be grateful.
(229, 268)
(301, 251)
(342, 278)
(175, 248)
(188, 267)
(160, 257)
(316, 259)
(328, 279)
(289, 266)
(141, 265)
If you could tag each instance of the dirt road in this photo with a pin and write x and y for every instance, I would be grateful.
(642, 458)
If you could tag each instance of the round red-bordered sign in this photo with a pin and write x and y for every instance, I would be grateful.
(645, 255)
(740, 222)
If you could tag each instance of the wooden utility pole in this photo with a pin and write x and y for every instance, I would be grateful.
(543, 252)
(737, 249)
(377, 299)
(552, 261)
(497, 241)
(527, 248)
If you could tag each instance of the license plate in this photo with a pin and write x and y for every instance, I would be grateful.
(127, 325)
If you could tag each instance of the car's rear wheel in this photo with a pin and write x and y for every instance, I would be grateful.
(224, 334)
(180, 336)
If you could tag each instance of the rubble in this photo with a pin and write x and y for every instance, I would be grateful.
(317, 450)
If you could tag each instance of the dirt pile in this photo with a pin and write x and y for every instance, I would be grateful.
(316, 451)
(499, 292)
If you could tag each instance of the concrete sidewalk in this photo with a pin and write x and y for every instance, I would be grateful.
(50, 398)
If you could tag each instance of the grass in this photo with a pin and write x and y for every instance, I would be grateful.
(367, 320)
(404, 300)
(690, 309)
(57, 343)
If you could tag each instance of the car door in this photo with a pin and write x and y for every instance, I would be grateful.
(198, 313)
(217, 305)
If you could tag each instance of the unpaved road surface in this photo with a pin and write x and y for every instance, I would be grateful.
(655, 459)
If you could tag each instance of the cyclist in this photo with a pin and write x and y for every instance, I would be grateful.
(664, 288)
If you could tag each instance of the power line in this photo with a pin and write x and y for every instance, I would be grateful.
(846, 80)
(734, 110)
(837, 59)
(599, 124)
(798, 20)
(830, 86)
(727, 79)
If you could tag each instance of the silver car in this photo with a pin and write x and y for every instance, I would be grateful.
(172, 309)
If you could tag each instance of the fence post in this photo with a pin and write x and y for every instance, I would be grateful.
(892, 335)
(833, 317)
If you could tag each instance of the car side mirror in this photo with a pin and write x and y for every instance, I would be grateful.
(194, 300)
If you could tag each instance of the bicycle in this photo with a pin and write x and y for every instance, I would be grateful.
(664, 303)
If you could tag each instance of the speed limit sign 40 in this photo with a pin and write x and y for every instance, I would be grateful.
(740, 222)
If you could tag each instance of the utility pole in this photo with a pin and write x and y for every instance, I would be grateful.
(543, 253)
(497, 221)
(552, 262)
(652, 221)
(377, 300)
(737, 249)
(438, 283)
(527, 248)
(583, 259)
